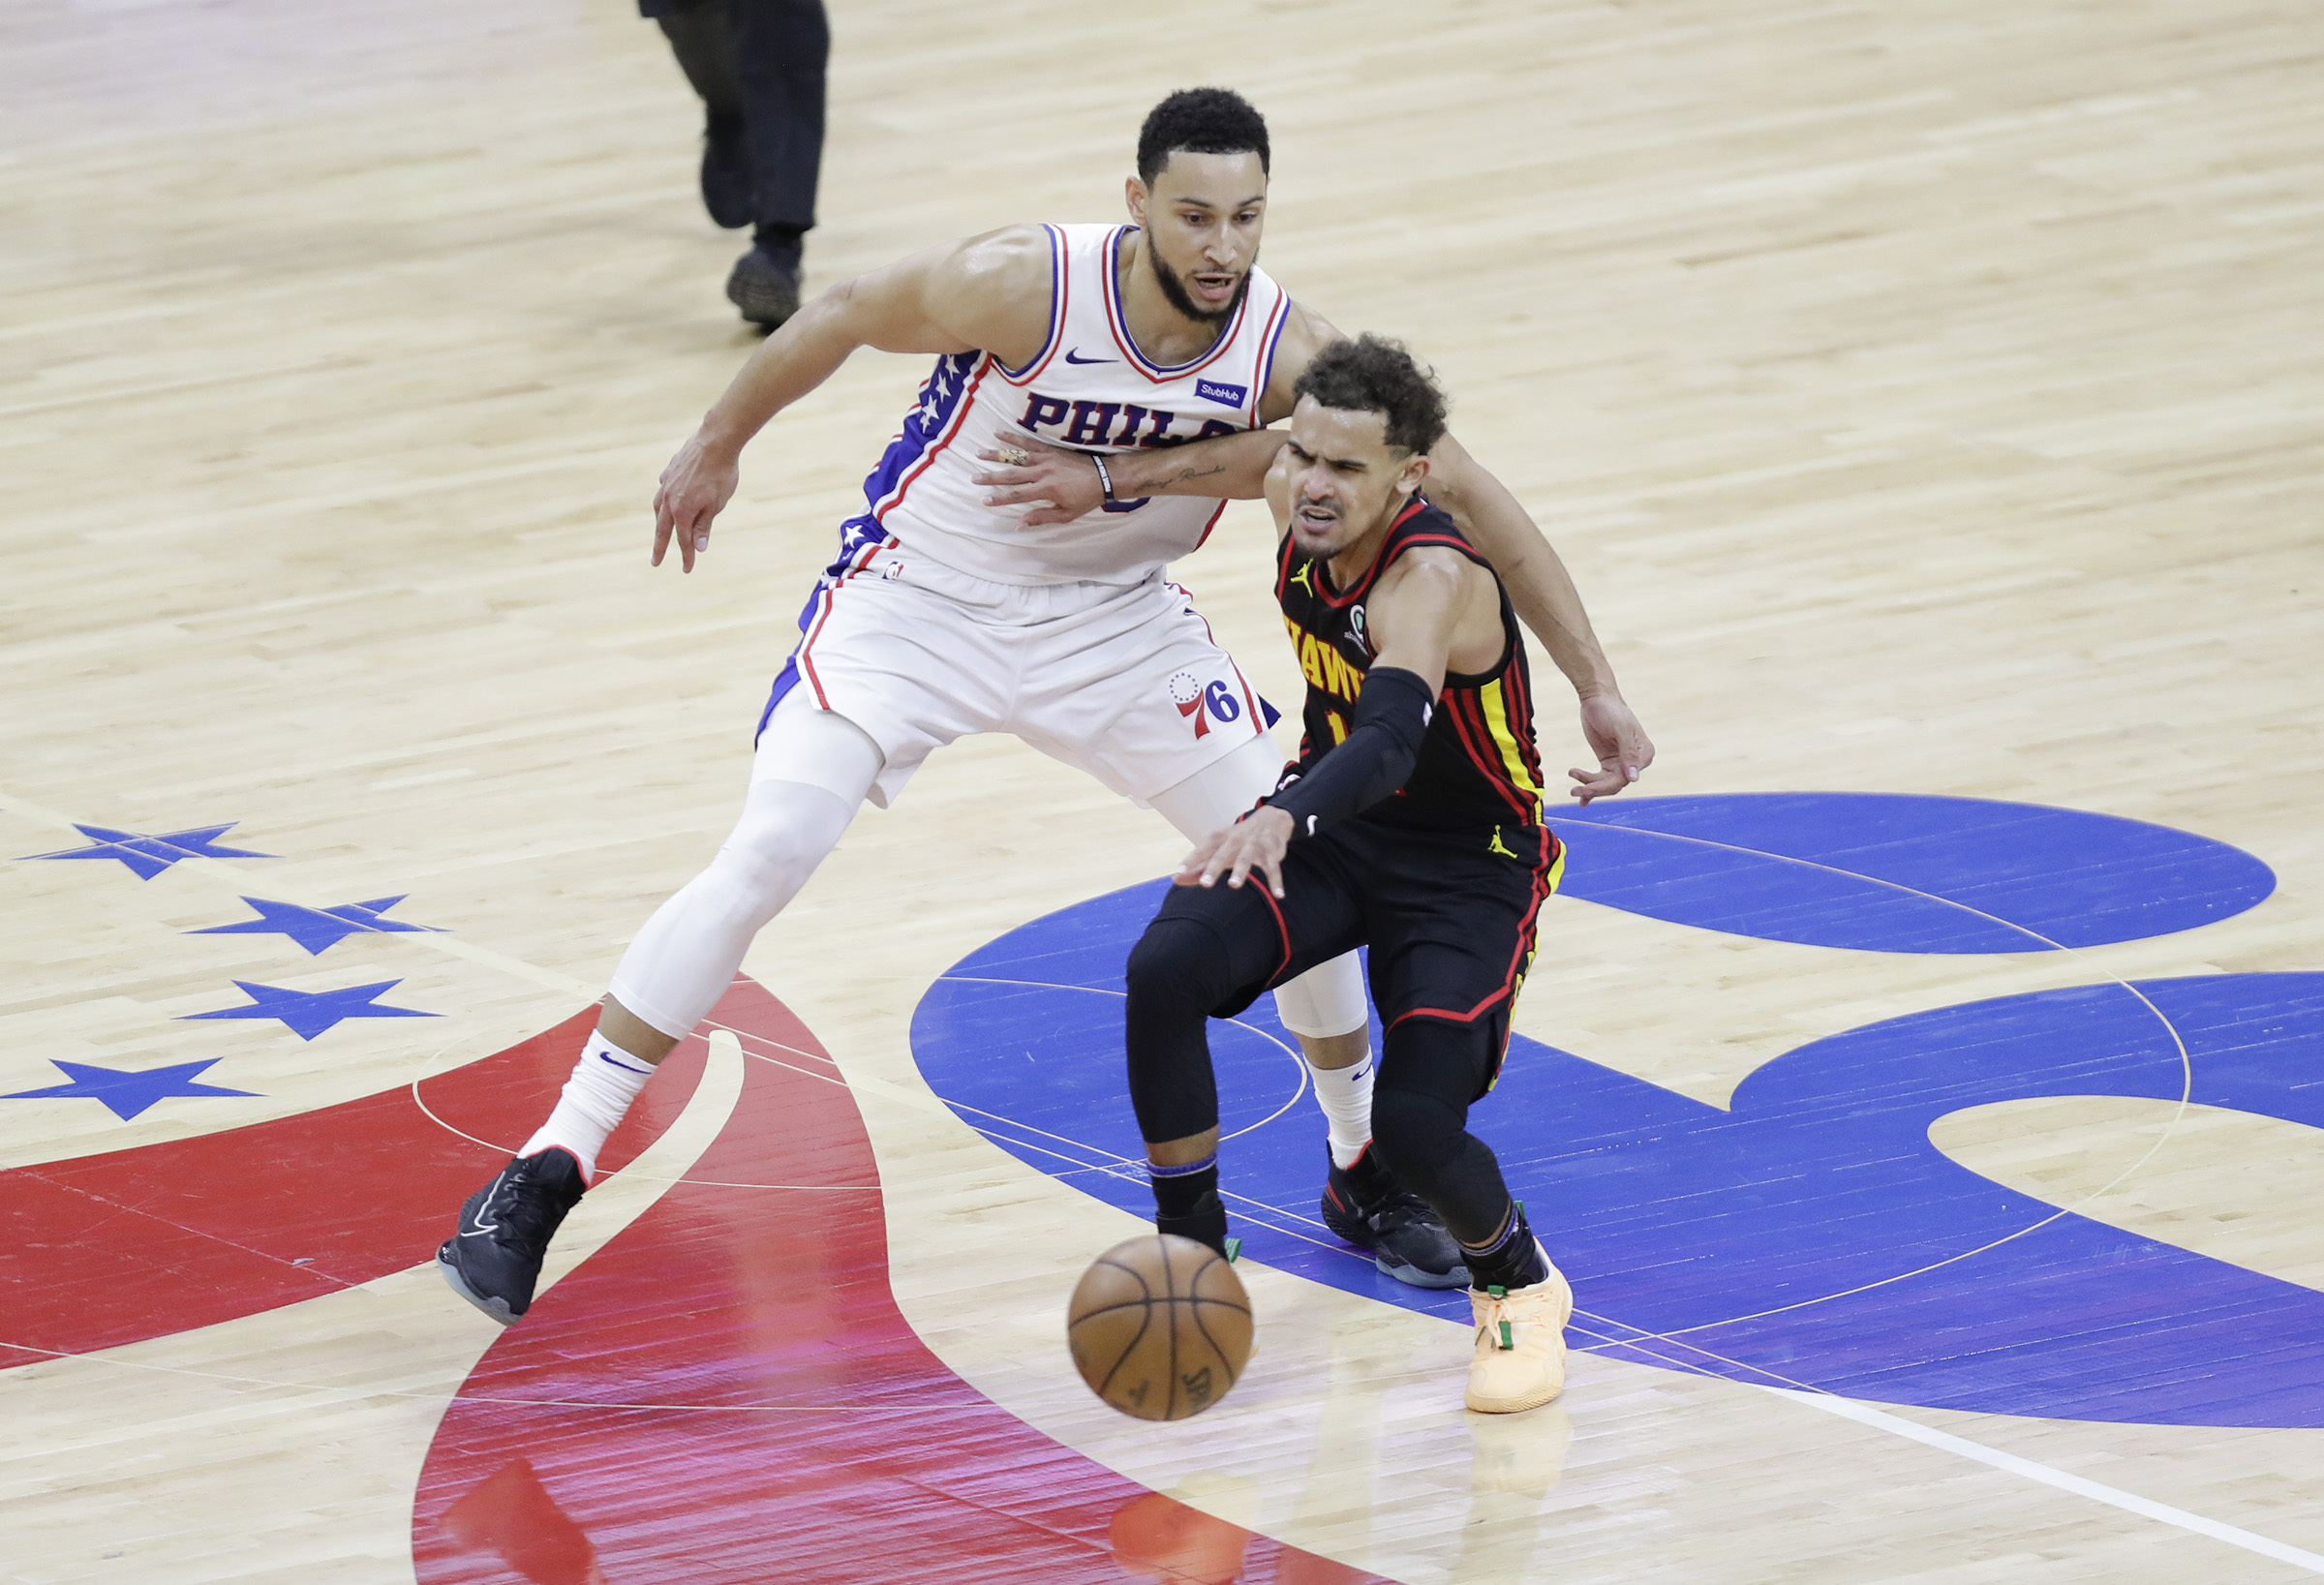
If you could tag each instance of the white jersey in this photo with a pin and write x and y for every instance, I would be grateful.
(1089, 389)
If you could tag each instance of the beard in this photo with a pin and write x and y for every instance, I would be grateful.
(1173, 291)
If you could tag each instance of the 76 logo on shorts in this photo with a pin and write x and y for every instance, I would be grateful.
(1203, 703)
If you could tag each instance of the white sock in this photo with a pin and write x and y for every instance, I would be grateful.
(1346, 1096)
(592, 1104)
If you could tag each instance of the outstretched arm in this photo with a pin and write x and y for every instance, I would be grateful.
(990, 291)
(1548, 602)
(1056, 485)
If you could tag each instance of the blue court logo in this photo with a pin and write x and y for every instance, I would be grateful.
(1810, 1232)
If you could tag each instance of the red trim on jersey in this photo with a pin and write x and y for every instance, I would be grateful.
(1255, 878)
(1217, 513)
(960, 417)
(1250, 701)
(1060, 293)
(1268, 337)
(1521, 706)
(1109, 262)
(806, 660)
(1524, 802)
(1382, 562)
(1476, 736)
(862, 557)
(829, 599)
(1519, 955)
(1187, 594)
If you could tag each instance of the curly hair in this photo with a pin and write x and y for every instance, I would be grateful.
(1200, 121)
(1372, 374)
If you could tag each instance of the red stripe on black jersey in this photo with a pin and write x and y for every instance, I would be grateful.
(1476, 736)
(1460, 778)
(1521, 955)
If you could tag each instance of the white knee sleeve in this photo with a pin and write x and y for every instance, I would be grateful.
(810, 775)
(1223, 791)
(1325, 1001)
(1328, 999)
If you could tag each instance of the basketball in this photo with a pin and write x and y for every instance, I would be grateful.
(1159, 1326)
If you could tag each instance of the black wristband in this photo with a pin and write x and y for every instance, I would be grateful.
(1105, 479)
(1383, 744)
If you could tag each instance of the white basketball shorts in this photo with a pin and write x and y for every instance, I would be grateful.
(1122, 680)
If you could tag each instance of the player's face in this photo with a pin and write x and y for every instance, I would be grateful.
(1202, 219)
(1345, 479)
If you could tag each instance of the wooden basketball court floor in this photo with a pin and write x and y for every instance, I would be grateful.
(1926, 398)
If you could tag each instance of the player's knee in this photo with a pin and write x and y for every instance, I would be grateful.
(1173, 971)
(1416, 1134)
(786, 831)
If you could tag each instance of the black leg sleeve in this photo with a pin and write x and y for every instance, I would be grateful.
(1428, 1070)
(1208, 953)
(1178, 972)
(780, 49)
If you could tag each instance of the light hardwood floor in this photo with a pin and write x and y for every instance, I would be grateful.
(1926, 397)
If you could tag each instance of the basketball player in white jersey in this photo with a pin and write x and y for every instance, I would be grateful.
(1029, 599)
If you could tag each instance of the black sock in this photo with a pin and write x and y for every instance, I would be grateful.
(1511, 1261)
(1187, 1202)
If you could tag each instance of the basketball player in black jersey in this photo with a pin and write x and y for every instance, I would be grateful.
(1412, 823)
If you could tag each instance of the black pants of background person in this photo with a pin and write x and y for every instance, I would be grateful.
(758, 68)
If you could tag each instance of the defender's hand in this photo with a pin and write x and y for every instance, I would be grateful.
(1255, 841)
(1619, 742)
(695, 488)
(1055, 485)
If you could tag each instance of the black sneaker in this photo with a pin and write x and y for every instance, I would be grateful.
(728, 191)
(495, 1258)
(764, 287)
(1370, 1210)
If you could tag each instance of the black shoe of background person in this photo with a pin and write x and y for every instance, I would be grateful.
(494, 1260)
(766, 289)
(726, 181)
(1367, 1205)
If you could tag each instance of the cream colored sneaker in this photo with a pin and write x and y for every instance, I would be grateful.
(1520, 1357)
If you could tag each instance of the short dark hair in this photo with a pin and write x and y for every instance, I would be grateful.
(1200, 121)
(1372, 374)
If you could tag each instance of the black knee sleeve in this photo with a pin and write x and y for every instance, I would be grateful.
(1176, 974)
(1419, 1123)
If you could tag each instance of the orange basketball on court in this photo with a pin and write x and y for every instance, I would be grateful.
(1160, 1326)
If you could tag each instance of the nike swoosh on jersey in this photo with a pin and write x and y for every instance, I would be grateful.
(1070, 358)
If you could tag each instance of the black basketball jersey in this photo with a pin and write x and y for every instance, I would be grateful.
(1478, 765)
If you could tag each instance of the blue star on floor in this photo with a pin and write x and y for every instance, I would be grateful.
(318, 928)
(309, 1013)
(125, 1092)
(148, 856)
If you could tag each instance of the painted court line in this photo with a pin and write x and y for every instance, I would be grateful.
(1831, 1404)
(1845, 1408)
(2145, 1507)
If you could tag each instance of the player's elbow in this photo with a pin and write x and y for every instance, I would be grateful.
(838, 308)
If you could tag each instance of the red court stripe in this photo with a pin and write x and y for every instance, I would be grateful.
(719, 1303)
(116, 1248)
